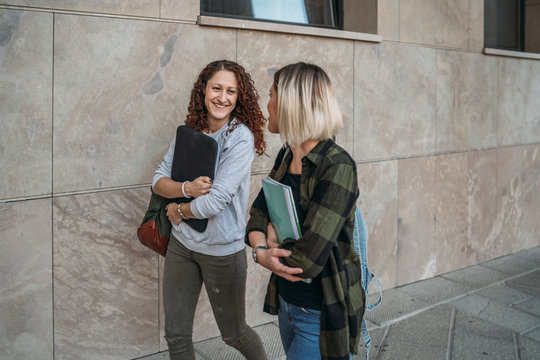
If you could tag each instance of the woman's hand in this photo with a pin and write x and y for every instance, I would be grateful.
(173, 214)
(199, 186)
(271, 237)
(270, 260)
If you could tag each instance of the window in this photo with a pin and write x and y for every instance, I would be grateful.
(512, 25)
(351, 15)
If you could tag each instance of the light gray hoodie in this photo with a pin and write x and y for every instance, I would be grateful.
(225, 206)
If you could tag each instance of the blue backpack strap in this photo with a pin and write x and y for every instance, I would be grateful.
(360, 237)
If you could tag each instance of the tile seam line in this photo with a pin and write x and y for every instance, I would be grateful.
(52, 189)
(443, 302)
(532, 328)
(96, 14)
(516, 346)
(451, 335)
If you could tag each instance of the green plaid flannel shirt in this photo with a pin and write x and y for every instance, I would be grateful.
(328, 192)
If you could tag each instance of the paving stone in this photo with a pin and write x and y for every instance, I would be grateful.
(160, 356)
(164, 355)
(430, 328)
(531, 306)
(269, 334)
(504, 294)
(376, 336)
(434, 290)
(532, 254)
(216, 348)
(394, 305)
(393, 350)
(475, 338)
(476, 276)
(529, 350)
(529, 283)
(511, 265)
(497, 313)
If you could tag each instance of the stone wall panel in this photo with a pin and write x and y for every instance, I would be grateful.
(378, 185)
(417, 251)
(466, 92)
(105, 281)
(26, 299)
(394, 101)
(148, 8)
(26, 102)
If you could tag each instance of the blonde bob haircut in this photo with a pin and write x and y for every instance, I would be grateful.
(307, 108)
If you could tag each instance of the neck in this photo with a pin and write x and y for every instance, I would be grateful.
(215, 125)
(298, 153)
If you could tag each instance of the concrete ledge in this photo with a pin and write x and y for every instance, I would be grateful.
(518, 54)
(286, 28)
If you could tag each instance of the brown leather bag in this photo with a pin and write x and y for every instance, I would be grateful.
(155, 229)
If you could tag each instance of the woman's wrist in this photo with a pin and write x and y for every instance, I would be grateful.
(186, 187)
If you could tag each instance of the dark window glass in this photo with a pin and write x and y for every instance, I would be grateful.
(320, 13)
(504, 24)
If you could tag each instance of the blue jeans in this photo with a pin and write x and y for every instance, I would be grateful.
(299, 329)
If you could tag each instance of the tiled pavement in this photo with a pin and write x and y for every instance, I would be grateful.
(487, 311)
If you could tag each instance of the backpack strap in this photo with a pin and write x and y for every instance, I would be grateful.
(360, 238)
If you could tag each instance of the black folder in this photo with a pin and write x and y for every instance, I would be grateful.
(195, 154)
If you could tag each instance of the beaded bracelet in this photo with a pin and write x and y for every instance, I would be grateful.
(181, 213)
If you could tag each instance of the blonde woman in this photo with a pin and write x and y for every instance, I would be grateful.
(320, 319)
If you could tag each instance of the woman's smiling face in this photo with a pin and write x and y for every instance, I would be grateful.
(220, 96)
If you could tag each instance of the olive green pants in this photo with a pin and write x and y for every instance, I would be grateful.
(225, 280)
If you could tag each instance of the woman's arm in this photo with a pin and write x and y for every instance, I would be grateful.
(333, 199)
(163, 185)
(270, 258)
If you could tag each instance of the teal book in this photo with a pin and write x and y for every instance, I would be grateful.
(281, 208)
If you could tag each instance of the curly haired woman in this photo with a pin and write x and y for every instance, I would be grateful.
(224, 105)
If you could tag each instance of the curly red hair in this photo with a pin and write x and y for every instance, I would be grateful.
(246, 111)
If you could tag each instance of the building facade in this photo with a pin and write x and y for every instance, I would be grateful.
(446, 136)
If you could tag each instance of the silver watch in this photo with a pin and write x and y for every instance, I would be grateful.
(254, 252)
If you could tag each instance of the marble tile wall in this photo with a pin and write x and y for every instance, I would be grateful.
(25, 103)
(187, 10)
(476, 25)
(394, 100)
(518, 94)
(378, 202)
(417, 251)
(436, 23)
(530, 200)
(482, 206)
(105, 281)
(446, 142)
(182, 10)
(466, 94)
(26, 299)
(509, 189)
(388, 19)
(451, 212)
(117, 7)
